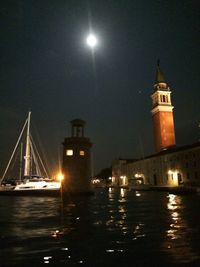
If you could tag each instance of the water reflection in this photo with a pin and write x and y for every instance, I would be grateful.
(137, 193)
(177, 243)
(174, 205)
(123, 192)
(123, 221)
(37, 212)
(104, 229)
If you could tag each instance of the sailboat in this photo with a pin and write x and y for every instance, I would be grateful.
(29, 183)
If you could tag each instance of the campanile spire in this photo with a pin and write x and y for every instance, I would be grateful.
(162, 113)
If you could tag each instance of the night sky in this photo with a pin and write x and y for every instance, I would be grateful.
(47, 67)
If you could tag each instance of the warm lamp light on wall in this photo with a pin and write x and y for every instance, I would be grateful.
(170, 172)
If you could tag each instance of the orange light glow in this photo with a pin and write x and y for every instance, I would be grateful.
(60, 177)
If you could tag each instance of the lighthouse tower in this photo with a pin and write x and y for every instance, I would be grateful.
(162, 113)
(76, 165)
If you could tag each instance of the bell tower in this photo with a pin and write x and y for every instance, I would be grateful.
(76, 165)
(162, 113)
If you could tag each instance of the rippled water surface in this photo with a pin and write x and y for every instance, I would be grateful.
(114, 227)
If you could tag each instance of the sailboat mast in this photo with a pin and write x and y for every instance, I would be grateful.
(27, 166)
(21, 158)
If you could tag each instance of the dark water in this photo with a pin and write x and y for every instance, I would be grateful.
(111, 228)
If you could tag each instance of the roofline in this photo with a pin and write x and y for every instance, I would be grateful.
(171, 150)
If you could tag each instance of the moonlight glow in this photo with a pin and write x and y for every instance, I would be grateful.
(91, 40)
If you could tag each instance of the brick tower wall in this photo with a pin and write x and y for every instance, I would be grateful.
(164, 134)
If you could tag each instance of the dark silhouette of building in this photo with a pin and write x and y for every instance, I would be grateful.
(76, 165)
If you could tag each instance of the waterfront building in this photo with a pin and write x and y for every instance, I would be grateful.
(76, 165)
(170, 165)
(120, 176)
(173, 167)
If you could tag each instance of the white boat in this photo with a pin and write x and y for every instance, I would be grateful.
(29, 183)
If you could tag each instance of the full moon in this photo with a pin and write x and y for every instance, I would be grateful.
(91, 40)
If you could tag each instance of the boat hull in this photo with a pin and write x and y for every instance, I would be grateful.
(38, 192)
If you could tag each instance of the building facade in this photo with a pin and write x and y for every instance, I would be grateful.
(175, 167)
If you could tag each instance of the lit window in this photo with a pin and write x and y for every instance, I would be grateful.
(82, 153)
(69, 152)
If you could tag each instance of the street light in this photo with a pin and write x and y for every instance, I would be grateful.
(60, 177)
